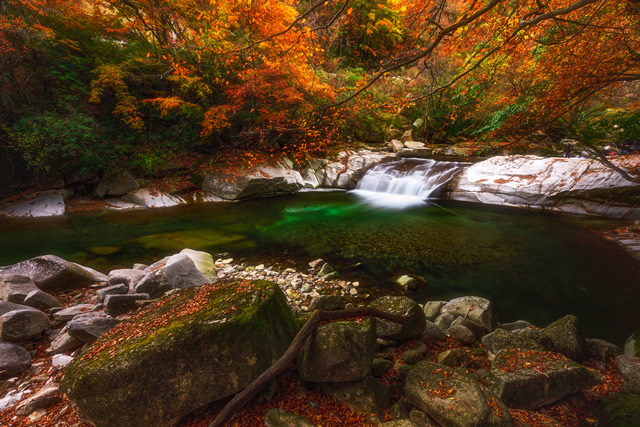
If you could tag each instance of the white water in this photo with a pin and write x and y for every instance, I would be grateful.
(406, 182)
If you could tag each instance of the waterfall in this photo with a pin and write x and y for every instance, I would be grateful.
(405, 182)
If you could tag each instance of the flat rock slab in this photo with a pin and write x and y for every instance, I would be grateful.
(48, 395)
(46, 205)
(149, 198)
(529, 379)
(14, 359)
(73, 311)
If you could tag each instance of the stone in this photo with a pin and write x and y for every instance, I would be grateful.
(399, 423)
(396, 145)
(418, 152)
(116, 184)
(421, 419)
(477, 329)
(501, 339)
(444, 321)
(379, 367)
(407, 283)
(6, 307)
(632, 345)
(462, 334)
(89, 327)
(19, 325)
(263, 181)
(415, 355)
(338, 352)
(566, 337)
(60, 360)
(202, 353)
(47, 396)
(430, 387)
(325, 269)
(536, 335)
(407, 136)
(177, 271)
(413, 144)
(70, 312)
(14, 359)
(326, 302)
(52, 273)
(310, 178)
(629, 368)
(367, 395)
(528, 379)
(152, 198)
(417, 123)
(399, 306)
(277, 417)
(432, 309)
(115, 305)
(572, 185)
(126, 276)
(63, 342)
(41, 300)
(454, 357)
(14, 288)
(119, 289)
(478, 309)
(432, 332)
(399, 410)
(600, 350)
(203, 262)
(514, 326)
(43, 205)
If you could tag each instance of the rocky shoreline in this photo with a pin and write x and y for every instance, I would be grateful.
(451, 363)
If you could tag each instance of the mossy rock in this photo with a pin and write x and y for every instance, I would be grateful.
(194, 346)
(399, 306)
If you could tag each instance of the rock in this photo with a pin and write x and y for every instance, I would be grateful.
(396, 145)
(60, 360)
(418, 152)
(115, 305)
(632, 345)
(454, 357)
(432, 309)
(48, 395)
(399, 306)
(125, 276)
(43, 205)
(413, 144)
(480, 310)
(14, 359)
(177, 271)
(415, 355)
(379, 367)
(417, 123)
(63, 342)
(421, 419)
(399, 423)
(116, 184)
(263, 181)
(6, 307)
(407, 136)
(574, 185)
(338, 352)
(367, 395)
(119, 289)
(432, 332)
(316, 262)
(89, 327)
(37, 415)
(331, 276)
(41, 300)
(514, 326)
(444, 321)
(399, 410)
(407, 283)
(310, 178)
(477, 329)
(501, 339)
(629, 367)
(200, 353)
(536, 335)
(151, 198)
(462, 334)
(277, 417)
(528, 379)
(19, 325)
(566, 337)
(52, 273)
(70, 312)
(14, 288)
(203, 262)
(430, 387)
(325, 269)
(326, 302)
(600, 350)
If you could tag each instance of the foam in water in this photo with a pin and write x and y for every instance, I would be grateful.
(405, 183)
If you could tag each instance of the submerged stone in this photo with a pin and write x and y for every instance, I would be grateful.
(192, 347)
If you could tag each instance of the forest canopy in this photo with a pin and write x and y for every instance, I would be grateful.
(86, 85)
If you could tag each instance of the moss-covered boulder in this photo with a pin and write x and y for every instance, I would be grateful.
(192, 347)
(399, 306)
(566, 336)
(632, 345)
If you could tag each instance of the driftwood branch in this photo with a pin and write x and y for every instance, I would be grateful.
(290, 355)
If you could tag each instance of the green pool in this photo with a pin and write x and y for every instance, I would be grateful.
(533, 266)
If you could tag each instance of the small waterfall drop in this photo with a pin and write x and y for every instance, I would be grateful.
(405, 182)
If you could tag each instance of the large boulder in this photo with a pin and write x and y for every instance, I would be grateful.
(203, 262)
(528, 379)
(152, 198)
(176, 271)
(263, 181)
(452, 398)
(43, 205)
(14, 359)
(566, 337)
(19, 325)
(632, 345)
(582, 186)
(193, 347)
(629, 367)
(116, 184)
(14, 288)
(52, 273)
(501, 339)
(478, 309)
(338, 352)
(399, 306)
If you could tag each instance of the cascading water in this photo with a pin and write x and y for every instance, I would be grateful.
(405, 182)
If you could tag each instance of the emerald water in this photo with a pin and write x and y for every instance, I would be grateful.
(533, 266)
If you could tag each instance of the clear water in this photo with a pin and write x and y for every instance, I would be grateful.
(533, 266)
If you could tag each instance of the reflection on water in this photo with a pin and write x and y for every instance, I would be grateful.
(532, 266)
